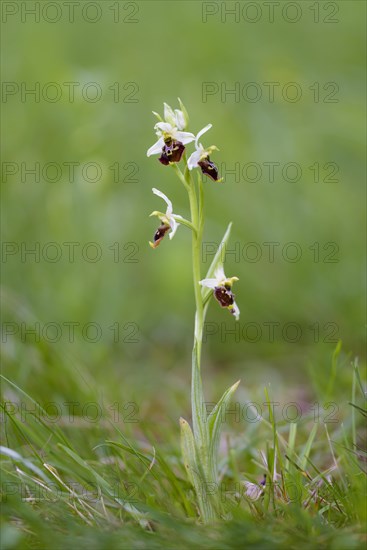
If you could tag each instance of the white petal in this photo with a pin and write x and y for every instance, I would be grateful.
(180, 119)
(156, 148)
(164, 127)
(174, 226)
(219, 274)
(194, 159)
(209, 283)
(169, 115)
(165, 198)
(205, 129)
(184, 137)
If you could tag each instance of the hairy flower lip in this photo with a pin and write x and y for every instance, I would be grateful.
(209, 168)
(224, 296)
(172, 151)
(159, 235)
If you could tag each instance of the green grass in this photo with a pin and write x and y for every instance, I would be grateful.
(123, 485)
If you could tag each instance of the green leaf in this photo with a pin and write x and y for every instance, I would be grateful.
(189, 454)
(307, 448)
(192, 465)
(196, 475)
(214, 427)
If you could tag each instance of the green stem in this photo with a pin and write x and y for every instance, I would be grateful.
(199, 416)
(183, 221)
(180, 176)
(196, 247)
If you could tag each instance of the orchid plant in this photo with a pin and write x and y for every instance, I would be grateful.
(199, 443)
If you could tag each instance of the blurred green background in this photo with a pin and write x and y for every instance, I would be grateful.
(158, 51)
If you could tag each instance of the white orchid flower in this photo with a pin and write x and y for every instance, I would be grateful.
(200, 152)
(222, 287)
(200, 157)
(171, 137)
(168, 220)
